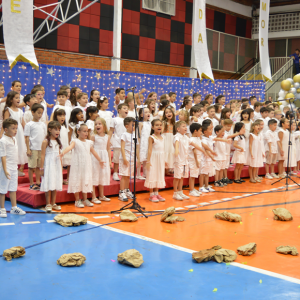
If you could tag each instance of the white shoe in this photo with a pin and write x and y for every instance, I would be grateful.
(3, 213)
(116, 177)
(269, 176)
(183, 195)
(122, 196)
(17, 211)
(204, 190)
(88, 203)
(104, 199)
(194, 193)
(274, 175)
(79, 204)
(210, 189)
(21, 174)
(96, 201)
(177, 196)
(48, 208)
(129, 195)
(140, 177)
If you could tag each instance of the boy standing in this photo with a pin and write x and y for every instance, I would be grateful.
(211, 112)
(35, 132)
(253, 100)
(29, 100)
(221, 100)
(126, 159)
(172, 99)
(9, 167)
(264, 111)
(196, 98)
(62, 96)
(257, 107)
(117, 128)
(272, 143)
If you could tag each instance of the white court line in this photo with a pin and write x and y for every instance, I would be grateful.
(31, 222)
(51, 221)
(101, 217)
(191, 206)
(215, 201)
(242, 266)
(179, 208)
(226, 199)
(6, 224)
(237, 197)
(204, 203)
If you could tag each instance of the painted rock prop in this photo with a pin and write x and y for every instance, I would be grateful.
(287, 250)
(282, 214)
(225, 255)
(204, 255)
(128, 216)
(13, 252)
(168, 212)
(215, 253)
(248, 249)
(67, 220)
(71, 260)
(226, 216)
(131, 257)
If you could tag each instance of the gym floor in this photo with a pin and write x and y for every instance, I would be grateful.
(168, 269)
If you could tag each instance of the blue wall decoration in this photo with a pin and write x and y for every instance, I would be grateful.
(52, 77)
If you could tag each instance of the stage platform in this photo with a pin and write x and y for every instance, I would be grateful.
(37, 198)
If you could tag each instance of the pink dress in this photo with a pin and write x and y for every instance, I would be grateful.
(257, 151)
(156, 175)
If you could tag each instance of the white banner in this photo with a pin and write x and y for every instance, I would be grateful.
(264, 39)
(200, 42)
(18, 31)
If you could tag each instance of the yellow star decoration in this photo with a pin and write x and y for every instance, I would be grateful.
(98, 75)
(117, 76)
(168, 80)
(78, 77)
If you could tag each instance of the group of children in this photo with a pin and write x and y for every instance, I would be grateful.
(195, 141)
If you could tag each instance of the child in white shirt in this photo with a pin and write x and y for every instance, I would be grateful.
(62, 96)
(82, 100)
(9, 167)
(29, 100)
(35, 132)
(117, 128)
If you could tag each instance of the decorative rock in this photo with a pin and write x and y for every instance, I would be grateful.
(204, 255)
(226, 216)
(168, 212)
(216, 247)
(287, 250)
(248, 249)
(71, 260)
(225, 255)
(282, 214)
(180, 219)
(171, 219)
(13, 252)
(131, 257)
(128, 216)
(68, 220)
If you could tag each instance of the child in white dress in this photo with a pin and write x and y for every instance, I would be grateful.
(76, 118)
(11, 110)
(101, 176)
(239, 157)
(60, 116)
(168, 120)
(81, 177)
(145, 129)
(103, 112)
(283, 135)
(51, 170)
(155, 178)
(94, 98)
(91, 116)
(256, 151)
(245, 118)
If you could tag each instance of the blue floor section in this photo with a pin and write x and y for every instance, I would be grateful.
(164, 274)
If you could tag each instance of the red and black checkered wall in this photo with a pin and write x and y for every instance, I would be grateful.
(146, 35)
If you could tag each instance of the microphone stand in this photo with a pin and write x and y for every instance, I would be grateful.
(288, 176)
(134, 204)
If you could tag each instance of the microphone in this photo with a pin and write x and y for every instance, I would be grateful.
(131, 89)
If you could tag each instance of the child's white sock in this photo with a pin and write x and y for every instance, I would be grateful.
(155, 193)
(151, 194)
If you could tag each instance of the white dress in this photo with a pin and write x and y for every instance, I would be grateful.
(52, 179)
(145, 133)
(257, 151)
(22, 149)
(169, 149)
(285, 144)
(155, 177)
(247, 135)
(107, 116)
(238, 156)
(298, 147)
(293, 150)
(101, 176)
(81, 177)
(64, 138)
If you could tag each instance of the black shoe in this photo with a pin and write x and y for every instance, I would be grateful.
(224, 181)
(237, 181)
(241, 180)
(228, 181)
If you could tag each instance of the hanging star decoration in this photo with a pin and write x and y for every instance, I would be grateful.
(78, 77)
(23, 67)
(50, 71)
(98, 75)
(191, 90)
(39, 81)
(168, 80)
(117, 76)
(69, 85)
(180, 81)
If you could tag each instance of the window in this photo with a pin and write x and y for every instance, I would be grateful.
(161, 6)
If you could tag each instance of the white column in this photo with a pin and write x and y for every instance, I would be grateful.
(193, 72)
(115, 62)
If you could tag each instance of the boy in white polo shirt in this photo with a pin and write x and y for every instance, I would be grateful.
(9, 167)
(35, 132)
